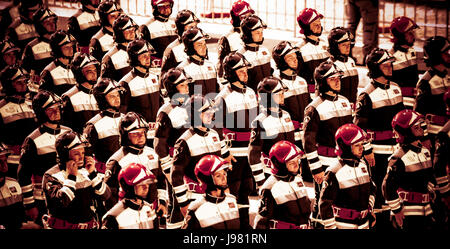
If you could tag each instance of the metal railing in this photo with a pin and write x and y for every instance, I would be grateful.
(431, 16)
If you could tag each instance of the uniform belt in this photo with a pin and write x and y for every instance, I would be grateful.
(383, 149)
(57, 223)
(349, 214)
(277, 224)
(380, 135)
(326, 151)
(408, 91)
(413, 197)
(436, 119)
(237, 136)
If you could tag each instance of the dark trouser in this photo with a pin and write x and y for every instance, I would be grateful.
(241, 185)
(368, 11)
(42, 209)
(378, 172)
(174, 212)
(416, 223)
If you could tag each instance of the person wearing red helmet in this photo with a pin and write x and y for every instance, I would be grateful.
(232, 41)
(160, 31)
(408, 185)
(199, 140)
(216, 208)
(85, 23)
(286, 203)
(312, 48)
(368, 11)
(348, 193)
(133, 129)
(133, 211)
(405, 71)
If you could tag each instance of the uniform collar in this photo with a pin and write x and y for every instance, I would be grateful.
(238, 89)
(314, 42)
(215, 199)
(251, 48)
(416, 149)
(84, 89)
(381, 85)
(85, 9)
(200, 132)
(43, 129)
(329, 97)
(340, 57)
(139, 73)
(133, 150)
(288, 77)
(349, 162)
(106, 31)
(398, 47)
(130, 204)
(16, 100)
(120, 46)
(196, 61)
(110, 113)
(59, 63)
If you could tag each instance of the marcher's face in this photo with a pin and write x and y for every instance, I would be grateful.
(77, 155)
(279, 98)
(207, 117)
(129, 34)
(141, 190)
(220, 178)
(90, 72)
(293, 165)
(344, 48)
(20, 85)
(446, 57)
(113, 98)
(258, 34)
(10, 58)
(417, 130)
(67, 49)
(50, 24)
(190, 25)
(53, 112)
(145, 59)
(358, 149)
(291, 60)
(183, 88)
(316, 26)
(165, 9)
(242, 74)
(138, 137)
(335, 83)
(200, 47)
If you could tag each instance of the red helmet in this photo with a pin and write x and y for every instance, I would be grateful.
(346, 136)
(132, 175)
(280, 153)
(402, 123)
(401, 25)
(205, 169)
(238, 9)
(306, 17)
